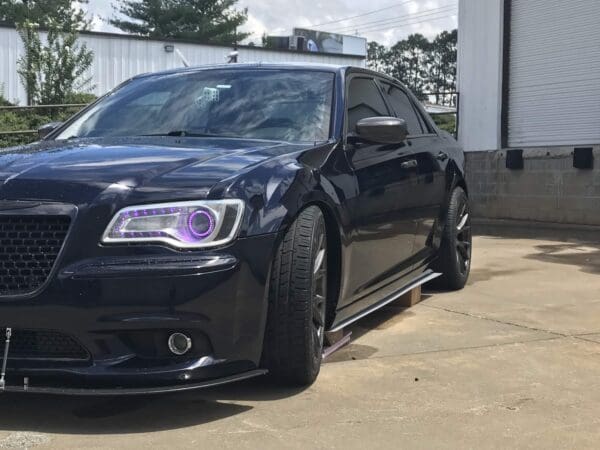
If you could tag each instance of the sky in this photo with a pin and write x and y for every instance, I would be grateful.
(384, 21)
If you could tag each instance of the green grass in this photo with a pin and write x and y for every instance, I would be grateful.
(446, 122)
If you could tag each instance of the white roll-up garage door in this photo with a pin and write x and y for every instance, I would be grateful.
(554, 87)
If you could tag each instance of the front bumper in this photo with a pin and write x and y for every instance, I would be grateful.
(122, 308)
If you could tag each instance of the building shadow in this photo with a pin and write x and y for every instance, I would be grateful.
(586, 256)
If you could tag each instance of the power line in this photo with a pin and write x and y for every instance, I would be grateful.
(378, 28)
(403, 18)
(417, 15)
(363, 15)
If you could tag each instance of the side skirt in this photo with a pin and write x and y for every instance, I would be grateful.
(427, 276)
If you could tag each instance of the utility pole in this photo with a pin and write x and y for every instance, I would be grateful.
(233, 56)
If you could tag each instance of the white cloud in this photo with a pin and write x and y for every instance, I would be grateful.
(279, 17)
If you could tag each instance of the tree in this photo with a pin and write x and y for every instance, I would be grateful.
(378, 57)
(423, 65)
(41, 12)
(53, 65)
(410, 66)
(442, 63)
(214, 21)
(54, 69)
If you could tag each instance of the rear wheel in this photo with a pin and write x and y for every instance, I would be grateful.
(454, 260)
(295, 331)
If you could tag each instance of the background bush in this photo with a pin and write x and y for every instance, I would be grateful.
(446, 122)
(28, 119)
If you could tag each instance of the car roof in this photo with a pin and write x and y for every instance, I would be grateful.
(342, 69)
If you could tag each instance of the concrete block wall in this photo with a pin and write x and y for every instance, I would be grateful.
(548, 189)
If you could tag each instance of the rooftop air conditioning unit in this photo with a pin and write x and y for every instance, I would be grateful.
(298, 43)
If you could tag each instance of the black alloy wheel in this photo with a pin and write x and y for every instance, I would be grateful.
(295, 332)
(455, 253)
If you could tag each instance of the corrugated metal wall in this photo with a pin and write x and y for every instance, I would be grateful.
(554, 95)
(118, 58)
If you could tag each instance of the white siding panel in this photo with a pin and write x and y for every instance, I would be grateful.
(554, 95)
(10, 50)
(117, 59)
(480, 45)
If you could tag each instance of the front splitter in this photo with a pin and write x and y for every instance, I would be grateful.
(28, 388)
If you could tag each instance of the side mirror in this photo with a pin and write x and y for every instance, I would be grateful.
(382, 130)
(45, 130)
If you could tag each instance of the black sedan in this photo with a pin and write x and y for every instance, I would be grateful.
(202, 226)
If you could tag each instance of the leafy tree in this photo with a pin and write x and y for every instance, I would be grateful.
(422, 65)
(42, 12)
(378, 58)
(3, 101)
(52, 69)
(213, 21)
(409, 57)
(442, 63)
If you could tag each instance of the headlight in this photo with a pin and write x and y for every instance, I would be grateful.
(201, 224)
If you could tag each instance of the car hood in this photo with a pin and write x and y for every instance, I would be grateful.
(79, 171)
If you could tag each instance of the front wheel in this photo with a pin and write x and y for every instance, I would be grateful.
(454, 261)
(293, 345)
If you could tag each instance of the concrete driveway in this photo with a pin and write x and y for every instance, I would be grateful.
(511, 361)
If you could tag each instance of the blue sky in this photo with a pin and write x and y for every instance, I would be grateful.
(396, 20)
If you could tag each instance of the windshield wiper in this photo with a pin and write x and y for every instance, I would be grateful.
(184, 133)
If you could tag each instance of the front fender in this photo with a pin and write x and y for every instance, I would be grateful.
(277, 190)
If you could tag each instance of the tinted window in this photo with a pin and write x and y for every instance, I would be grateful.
(364, 100)
(403, 107)
(260, 104)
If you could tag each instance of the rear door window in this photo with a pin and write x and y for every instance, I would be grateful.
(403, 108)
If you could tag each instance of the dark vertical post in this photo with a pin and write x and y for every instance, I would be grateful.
(505, 73)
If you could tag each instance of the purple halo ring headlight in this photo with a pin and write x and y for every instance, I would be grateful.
(201, 223)
(183, 225)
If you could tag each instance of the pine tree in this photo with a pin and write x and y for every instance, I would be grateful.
(214, 21)
(42, 12)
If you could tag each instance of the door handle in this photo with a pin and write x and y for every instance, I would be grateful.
(442, 156)
(410, 164)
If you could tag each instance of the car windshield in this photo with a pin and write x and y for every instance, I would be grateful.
(292, 105)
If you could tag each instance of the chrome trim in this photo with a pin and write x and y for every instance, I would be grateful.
(426, 277)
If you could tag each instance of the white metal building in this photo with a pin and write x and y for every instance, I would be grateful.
(119, 57)
(529, 72)
(542, 61)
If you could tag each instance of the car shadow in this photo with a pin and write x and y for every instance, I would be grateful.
(119, 415)
(381, 319)
(130, 415)
(141, 414)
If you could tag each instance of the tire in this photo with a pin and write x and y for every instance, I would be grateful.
(295, 330)
(454, 259)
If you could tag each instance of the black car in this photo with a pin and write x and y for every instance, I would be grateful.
(202, 226)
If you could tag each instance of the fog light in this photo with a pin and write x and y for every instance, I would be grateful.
(179, 344)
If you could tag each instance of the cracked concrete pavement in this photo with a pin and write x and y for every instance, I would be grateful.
(511, 361)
